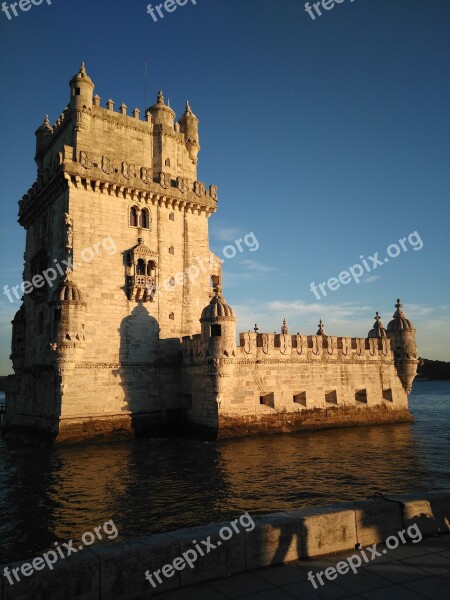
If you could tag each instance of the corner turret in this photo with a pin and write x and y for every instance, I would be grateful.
(81, 98)
(44, 134)
(189, 126)
(68, 322)
(218, 327)
(403, 337)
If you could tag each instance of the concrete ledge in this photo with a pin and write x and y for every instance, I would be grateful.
(117, 571)
(123, 566)
(227, 559)
(326, 529)
(75, 578)
(275, 539)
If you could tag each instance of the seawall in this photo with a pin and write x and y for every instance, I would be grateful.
(116, 571)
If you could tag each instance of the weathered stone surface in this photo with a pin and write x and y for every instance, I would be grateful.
(275, 539)
(227, 558)
(74, 578)
(429, 511)
(326, 529)
(123, 567)
(377, 519)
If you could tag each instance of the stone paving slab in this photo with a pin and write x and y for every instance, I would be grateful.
(410, 572)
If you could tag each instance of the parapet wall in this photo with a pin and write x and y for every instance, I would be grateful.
(117, 571)
(314, 347)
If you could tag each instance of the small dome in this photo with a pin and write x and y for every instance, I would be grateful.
(161, 106)
(378, 330)
(399, 322)
(45, 127)
(188, 113)
(81, 77)
(216, 309)
(68, 291)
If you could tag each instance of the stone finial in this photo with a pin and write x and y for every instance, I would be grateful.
(110, 104)
(96, 100)
(83, 68)
(256, 329)
(321, 330)
(45, 127)
(148, 117)
(284, 328)
(136, 113)
(217, 291)
(399, 312)
(123, 108)
(160, 97)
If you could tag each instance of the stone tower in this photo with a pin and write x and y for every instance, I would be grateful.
(403, 336)
(118, 260)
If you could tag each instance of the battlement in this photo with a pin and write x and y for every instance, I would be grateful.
(118, 178)
(313, 347)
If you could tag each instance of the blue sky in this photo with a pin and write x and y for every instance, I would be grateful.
(328, 139)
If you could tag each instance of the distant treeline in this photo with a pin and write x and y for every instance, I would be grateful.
(433, 369)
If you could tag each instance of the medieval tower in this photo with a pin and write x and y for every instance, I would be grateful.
(123, 325)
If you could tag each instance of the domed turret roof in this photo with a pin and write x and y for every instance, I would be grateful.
(68, 291)
(217, 308)
(81, 77)
(161, 105)
(378, 330)
(45, 127)
(188, 113)
(399, 322)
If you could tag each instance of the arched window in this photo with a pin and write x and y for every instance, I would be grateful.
(151, 268)
(145, 218)
(167, 163)
(140, 267)
(133, 216)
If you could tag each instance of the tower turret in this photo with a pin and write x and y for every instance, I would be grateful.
(81, 93)
(68, 320)
(378, 330)
(189, 126)
(44, 134)
(218, 327)
(162, 113)
(403, 335)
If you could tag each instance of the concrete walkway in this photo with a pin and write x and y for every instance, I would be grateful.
(410, 572)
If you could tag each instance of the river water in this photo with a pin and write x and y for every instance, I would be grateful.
(149, 486)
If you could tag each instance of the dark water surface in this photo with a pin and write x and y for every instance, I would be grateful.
(149, 486)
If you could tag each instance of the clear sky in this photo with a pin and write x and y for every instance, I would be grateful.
(329, 139)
